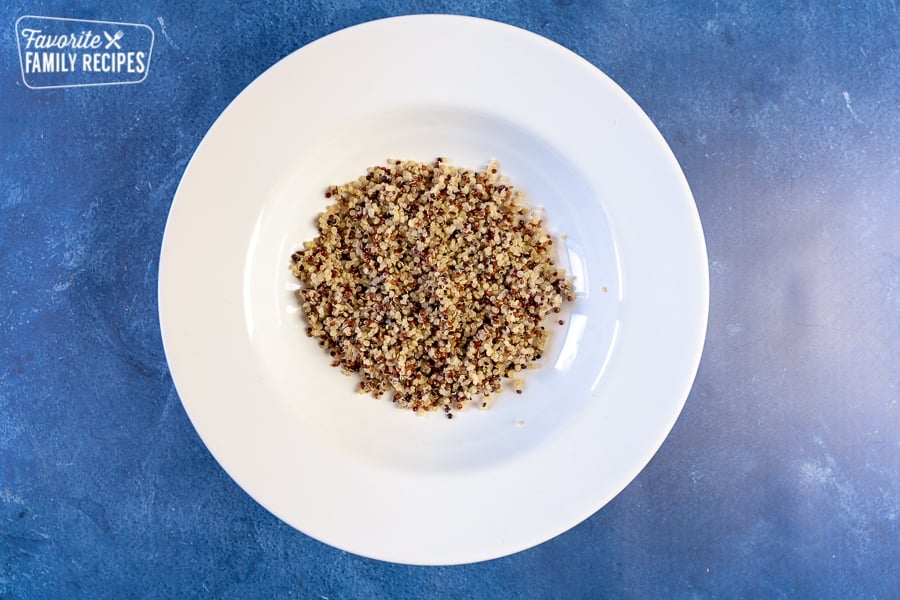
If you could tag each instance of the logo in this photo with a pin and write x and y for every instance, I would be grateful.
(58, 53)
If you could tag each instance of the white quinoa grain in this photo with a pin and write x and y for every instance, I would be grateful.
(431, 282)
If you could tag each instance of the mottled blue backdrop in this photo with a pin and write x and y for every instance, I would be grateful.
(779, 480)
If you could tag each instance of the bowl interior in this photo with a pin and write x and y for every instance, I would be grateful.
(324, 402)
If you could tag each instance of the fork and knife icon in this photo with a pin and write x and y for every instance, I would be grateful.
(113, 40)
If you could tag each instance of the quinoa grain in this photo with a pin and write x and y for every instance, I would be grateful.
(431, 282)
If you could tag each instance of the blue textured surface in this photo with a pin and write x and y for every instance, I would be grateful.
(779, 480)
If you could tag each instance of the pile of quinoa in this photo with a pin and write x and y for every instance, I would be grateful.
(432, 282)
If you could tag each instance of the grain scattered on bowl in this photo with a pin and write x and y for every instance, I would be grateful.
(431, 282)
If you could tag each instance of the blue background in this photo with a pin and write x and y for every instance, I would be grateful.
(780, 478)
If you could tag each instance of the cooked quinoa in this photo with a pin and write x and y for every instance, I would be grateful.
(431, 282)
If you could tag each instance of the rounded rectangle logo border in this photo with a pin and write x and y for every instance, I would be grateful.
(111, 40)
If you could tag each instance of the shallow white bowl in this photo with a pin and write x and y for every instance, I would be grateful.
(358, 473)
